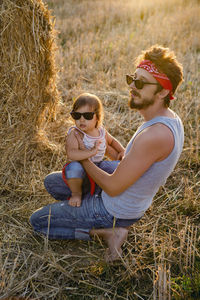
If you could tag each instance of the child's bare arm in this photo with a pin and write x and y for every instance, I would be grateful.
(114, 150)
(72, 150)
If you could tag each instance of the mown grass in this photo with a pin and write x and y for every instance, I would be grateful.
(97, 43)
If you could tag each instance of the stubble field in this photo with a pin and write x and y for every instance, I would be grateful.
(97, 42)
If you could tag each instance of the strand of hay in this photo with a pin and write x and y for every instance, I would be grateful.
(28, 91)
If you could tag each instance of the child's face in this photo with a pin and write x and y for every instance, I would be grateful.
(86, 125)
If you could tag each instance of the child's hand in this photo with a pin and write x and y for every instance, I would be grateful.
(120, 155)
(96, 147)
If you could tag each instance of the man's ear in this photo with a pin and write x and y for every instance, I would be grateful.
(163, 93)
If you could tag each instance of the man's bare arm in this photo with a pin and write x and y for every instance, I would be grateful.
(153, 144)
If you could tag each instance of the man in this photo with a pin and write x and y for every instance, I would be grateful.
(123, 196)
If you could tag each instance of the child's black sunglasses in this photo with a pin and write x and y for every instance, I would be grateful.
(87, 115)
(139, 83)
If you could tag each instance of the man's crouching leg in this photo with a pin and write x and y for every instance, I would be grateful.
(114, 238)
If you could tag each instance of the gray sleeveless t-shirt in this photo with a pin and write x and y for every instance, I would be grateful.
(135, 200)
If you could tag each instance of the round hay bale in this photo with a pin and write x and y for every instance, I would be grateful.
(28, 89)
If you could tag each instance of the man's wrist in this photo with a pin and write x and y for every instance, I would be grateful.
(84, 160)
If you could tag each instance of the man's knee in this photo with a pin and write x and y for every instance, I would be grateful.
(109, 166)
(49, 181)
(56, 187)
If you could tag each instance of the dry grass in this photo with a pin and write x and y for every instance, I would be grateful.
(97, 42)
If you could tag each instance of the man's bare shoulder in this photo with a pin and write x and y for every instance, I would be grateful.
(157, 138)
(157, 132)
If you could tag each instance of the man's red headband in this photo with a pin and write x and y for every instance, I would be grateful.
(160, 77)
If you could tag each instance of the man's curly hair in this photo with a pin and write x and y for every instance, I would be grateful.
(166, 62)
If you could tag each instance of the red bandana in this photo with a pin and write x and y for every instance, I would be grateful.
(160, 77)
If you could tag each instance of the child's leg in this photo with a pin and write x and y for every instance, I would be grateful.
(75, 185)
(74, 173)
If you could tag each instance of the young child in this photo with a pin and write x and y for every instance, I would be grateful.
(87, 113)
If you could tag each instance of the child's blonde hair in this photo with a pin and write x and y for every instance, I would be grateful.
(93, 101)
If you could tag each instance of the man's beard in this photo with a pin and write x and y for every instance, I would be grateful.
(142, 105)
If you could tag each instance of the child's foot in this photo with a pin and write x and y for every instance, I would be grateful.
(75, 200)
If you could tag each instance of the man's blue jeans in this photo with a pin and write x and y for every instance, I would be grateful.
(62, 221)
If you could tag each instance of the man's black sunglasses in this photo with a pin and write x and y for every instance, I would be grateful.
(87, 115)
(139, 83)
